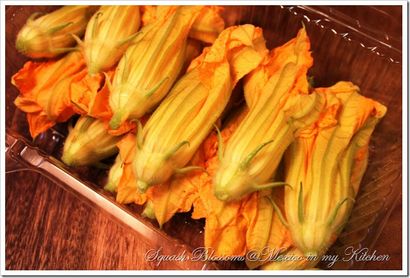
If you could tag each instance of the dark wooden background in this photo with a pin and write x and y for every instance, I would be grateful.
(49, 228)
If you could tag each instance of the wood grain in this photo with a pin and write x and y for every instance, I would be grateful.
(49, 228)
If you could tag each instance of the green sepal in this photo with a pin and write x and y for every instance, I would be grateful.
(60, 27)
(95, 24)
(336, 210)
(77, 39)
(278, 212)
(33, 16)
(156, 87)
(175, 149)
(181, 171)
(129, 39)
(139, 135)
(220, 143)
(300, 204)
(271, 185)
(244, 164)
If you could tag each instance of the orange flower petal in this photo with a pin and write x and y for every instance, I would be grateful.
(124, 128)
(224, 221)
(90, 96)
(127, 188)
(84, 92)
(127, 191)
(38, 123)
(45, 90)
(27, 104)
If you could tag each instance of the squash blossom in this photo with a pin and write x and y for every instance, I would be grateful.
(325, 164)
(223, 221)
(266, 234)
(126, 148)
(109, 33)
(206, 27)
(279, 101)
(88, 143)
(177, 194)
(114, 175)
(193, 49)
(151, 64)
(51, 34)
(90, 96)
(53, 91)
(45, 89)
(183, 120)
(149, 211)
(126, 187)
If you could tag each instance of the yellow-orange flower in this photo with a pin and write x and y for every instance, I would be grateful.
(45, 90)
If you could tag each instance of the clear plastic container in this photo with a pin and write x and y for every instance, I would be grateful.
(348, 43)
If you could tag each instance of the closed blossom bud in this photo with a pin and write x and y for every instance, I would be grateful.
(88, 143)
(49, 35)
(152, 64)
(108, 34)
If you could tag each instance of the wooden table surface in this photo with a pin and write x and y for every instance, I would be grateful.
(49, 228)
